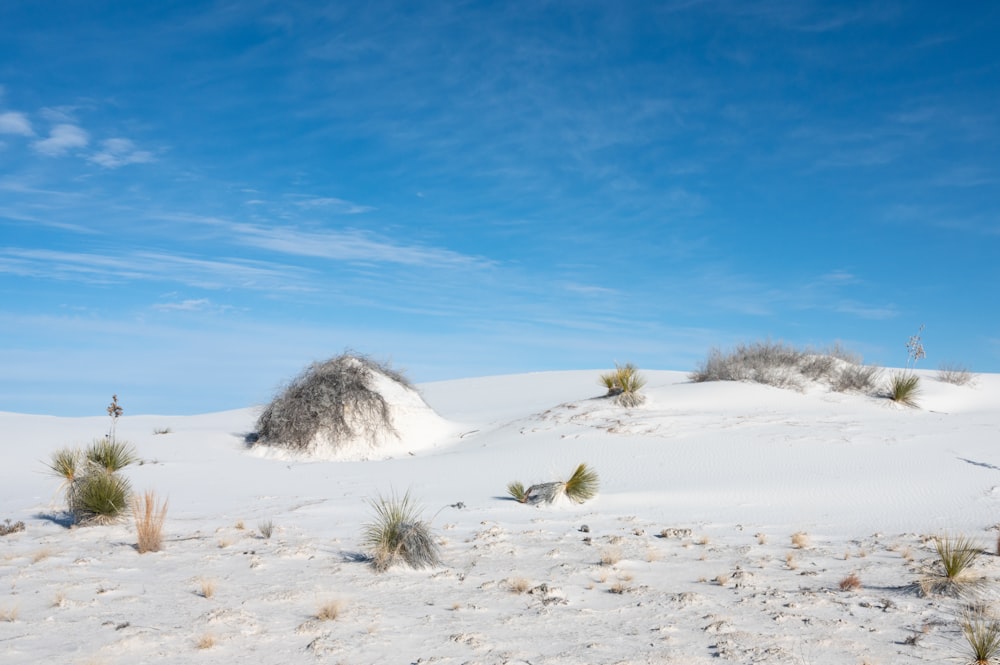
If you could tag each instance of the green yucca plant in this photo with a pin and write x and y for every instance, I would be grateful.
(904, 388)
(517, 491)
(983, 637)
(956, 555)
(111, 455)
(582, 485)
(397, 535)
(100, 497)
(65, 464)
(624, 384)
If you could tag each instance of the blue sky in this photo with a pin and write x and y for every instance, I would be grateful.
(197, 199)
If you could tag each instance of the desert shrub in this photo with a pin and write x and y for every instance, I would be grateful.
(983, 637)
(336, 398)
(955, 374)
(956, 555)
(860, 378)
(904, 389)
(397, 535)
(624, 384)
(850, 583)
(266, 528)
(784, 366)
(100, 498)
(110, 455)
(580, 487)
(9, 527)
(149, 516)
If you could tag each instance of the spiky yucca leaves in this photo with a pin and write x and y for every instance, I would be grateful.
(582, 485)
(111, 455)
(904, 388)
(65, 464)
(956, 555)
(983, 637)
(149, 516)
(100, 498)
(397, 535)
(516, 490)
(624, 385)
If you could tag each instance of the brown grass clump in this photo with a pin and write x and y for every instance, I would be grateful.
(800, 540)
(519, 585)
(850, 583)
(206, 641)
(8, 614)
(206, 589)
(330, 610)
(149, 516)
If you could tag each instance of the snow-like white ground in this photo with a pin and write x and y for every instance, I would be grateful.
(727, 472)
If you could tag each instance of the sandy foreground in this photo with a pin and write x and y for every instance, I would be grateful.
(689, 554)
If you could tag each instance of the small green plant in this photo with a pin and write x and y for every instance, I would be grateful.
(624, 384)
(516, 490)
(8, 528)
(582, 485)
(397, 535)
(100, 498)
(904, 387)
(111, 455)
(983, 637)
(66, 464)
(956, 555)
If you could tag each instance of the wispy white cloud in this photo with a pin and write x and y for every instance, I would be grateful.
(62, 138)
(12, 122)
(339, 205)
(190, 305)
(119, 152)
(877, 313)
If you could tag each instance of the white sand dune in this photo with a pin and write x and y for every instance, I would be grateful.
(725, 472)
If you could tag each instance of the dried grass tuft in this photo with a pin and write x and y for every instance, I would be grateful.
(149, 516)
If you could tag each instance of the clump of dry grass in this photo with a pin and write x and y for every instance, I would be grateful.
(983, 637)
(206, 588)
(9, 527)
(149, 516)
(955, 374)
(610, 556)
(206, 641)
(8, 614)
(266, 529)
(850, 583)
(329, 610)
(519, 584)
(800, 540)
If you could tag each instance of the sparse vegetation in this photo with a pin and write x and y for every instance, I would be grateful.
(956, 555)
(206, 641)
(983, 637)
(904, 387)
(800, 540)
(955, 374)
(110, 455)
(581, 486)
(8, 614)
(850, 583)
(206, 588)
(100, 498)
(162, 430)
(9, 527)
(397, 535)
(519, 584)
(266, 529)
(335, 401)
(624, 384)
(149, 516)
(784, 366)
(330, 610)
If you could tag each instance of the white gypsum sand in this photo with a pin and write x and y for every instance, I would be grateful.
(687, 556)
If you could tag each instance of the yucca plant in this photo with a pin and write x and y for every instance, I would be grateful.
(904, 388)
(983, 637)
(65, 464)
(111, 455)
(100, 498)
(397, 535)
(582, 485)
(956, 555)
(517, 491)
(624, 384)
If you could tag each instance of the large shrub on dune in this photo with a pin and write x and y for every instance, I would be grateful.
(331, 402)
